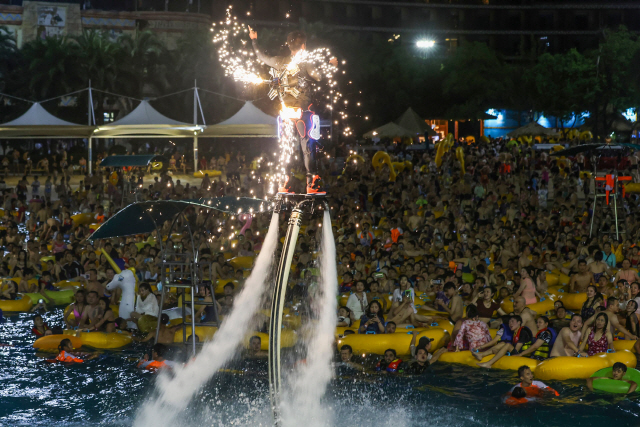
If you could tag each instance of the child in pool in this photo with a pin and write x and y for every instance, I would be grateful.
(66, 356)
(619, 369)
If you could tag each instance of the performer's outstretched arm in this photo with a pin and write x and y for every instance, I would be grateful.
(277, 62)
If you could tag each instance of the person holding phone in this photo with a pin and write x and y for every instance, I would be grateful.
(372, 321)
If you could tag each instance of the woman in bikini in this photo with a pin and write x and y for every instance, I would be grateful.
(598, 336)
(105, 322)
(76, 308)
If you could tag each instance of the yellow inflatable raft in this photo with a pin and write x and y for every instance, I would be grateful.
(211, 173)
(508, 363)
(22, 303)
(566, 368)
(103, 340)
(244, 262)
(51, 342)
(541, 307)
(378, 343)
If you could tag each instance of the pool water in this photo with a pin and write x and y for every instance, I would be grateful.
(108, 391)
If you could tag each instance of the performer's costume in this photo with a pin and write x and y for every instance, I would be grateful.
(293, 86)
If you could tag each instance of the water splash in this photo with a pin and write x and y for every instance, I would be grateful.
(310, 381)
(175, 393)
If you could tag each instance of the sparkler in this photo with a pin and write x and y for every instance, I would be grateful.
(239, 62)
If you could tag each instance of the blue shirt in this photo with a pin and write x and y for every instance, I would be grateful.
(610, 260)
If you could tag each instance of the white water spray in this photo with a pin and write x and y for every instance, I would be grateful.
(176, 392)
(303, 407)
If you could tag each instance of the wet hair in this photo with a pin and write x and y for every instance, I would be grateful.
(164, 319)
(368, 312)
(229, 285)
(145, 285)
(521, 370)
(545, 319)
(348, 332)
(577, 315)
(633, 301)
(519, 393)
(256, 337)
(92, 292)
(348, 347)
(392, 351)
(620, 367)
(65, 342)
(389, 322)
(448, 285)
(106, 301)
(518, 318)
(295, 40)
(611, 301)
(160, 349)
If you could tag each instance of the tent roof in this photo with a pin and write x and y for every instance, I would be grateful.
(249, 121)
(145, 121)
(390, 130)
(36, 115)
(145, 217)
(412, 121)
(37, 122)
(130, 160)
(145, 114)
(532, 129)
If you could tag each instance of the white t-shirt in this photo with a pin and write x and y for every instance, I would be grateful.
(356, 306)
(147, 306)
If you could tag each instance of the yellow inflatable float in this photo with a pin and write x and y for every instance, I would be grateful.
(20, 304)
(382, 158)
(243, 262)
(540, 307)
(399, 341)
(508, 363)
(103, 340)
(51, 342)
(566, 368)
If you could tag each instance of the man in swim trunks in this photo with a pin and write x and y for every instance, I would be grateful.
(568, 339)
(619, 369)
(528, 316)
(531, 387)
(582, 279)
(455, 306)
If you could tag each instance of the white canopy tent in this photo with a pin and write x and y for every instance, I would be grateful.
(37, 122)
(248, 122)
(412, 121)
(144, 122)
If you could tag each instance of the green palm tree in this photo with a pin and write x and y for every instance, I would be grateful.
(53, 66)
(144, 65)
(99, 58)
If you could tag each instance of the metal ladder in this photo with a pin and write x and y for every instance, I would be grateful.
(182, 273)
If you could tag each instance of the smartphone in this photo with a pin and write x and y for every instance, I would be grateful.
(435, 281)
(407, 293)
(40, 301)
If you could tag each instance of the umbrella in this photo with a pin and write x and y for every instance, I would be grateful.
(532, 129)
(410, 120)
(390, 130)
(600, 148)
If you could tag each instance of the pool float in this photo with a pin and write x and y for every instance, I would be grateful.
(51, 342)
(66, 284)
(83, 218)
(204, 333)
(468, 277)
(289, 339)
(573, 301)
(628, 345)
(20, 304)
(507, 363)
(566, 367)
(613, 386)
(200, 173)
(56, 297)
(103, 340)
(147, 323)
(113, 307)
(244, 262)
(380, 158)
(540, 307)
(378, 343)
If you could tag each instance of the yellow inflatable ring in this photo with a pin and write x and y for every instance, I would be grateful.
(289, 339)
(51, 342)
(573, 301)
(21, 304)
(104, 340)
(67, 284)
(628, 345)
(83, 218)
(511, 363)
(204, 333)
(399, 341)
(356, 157)
(540, 307)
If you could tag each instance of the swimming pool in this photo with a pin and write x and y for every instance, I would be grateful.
(108, 391)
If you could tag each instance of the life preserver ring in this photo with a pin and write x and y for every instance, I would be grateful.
(614, 386)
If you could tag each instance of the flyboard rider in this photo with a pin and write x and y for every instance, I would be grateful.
(293, 85)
